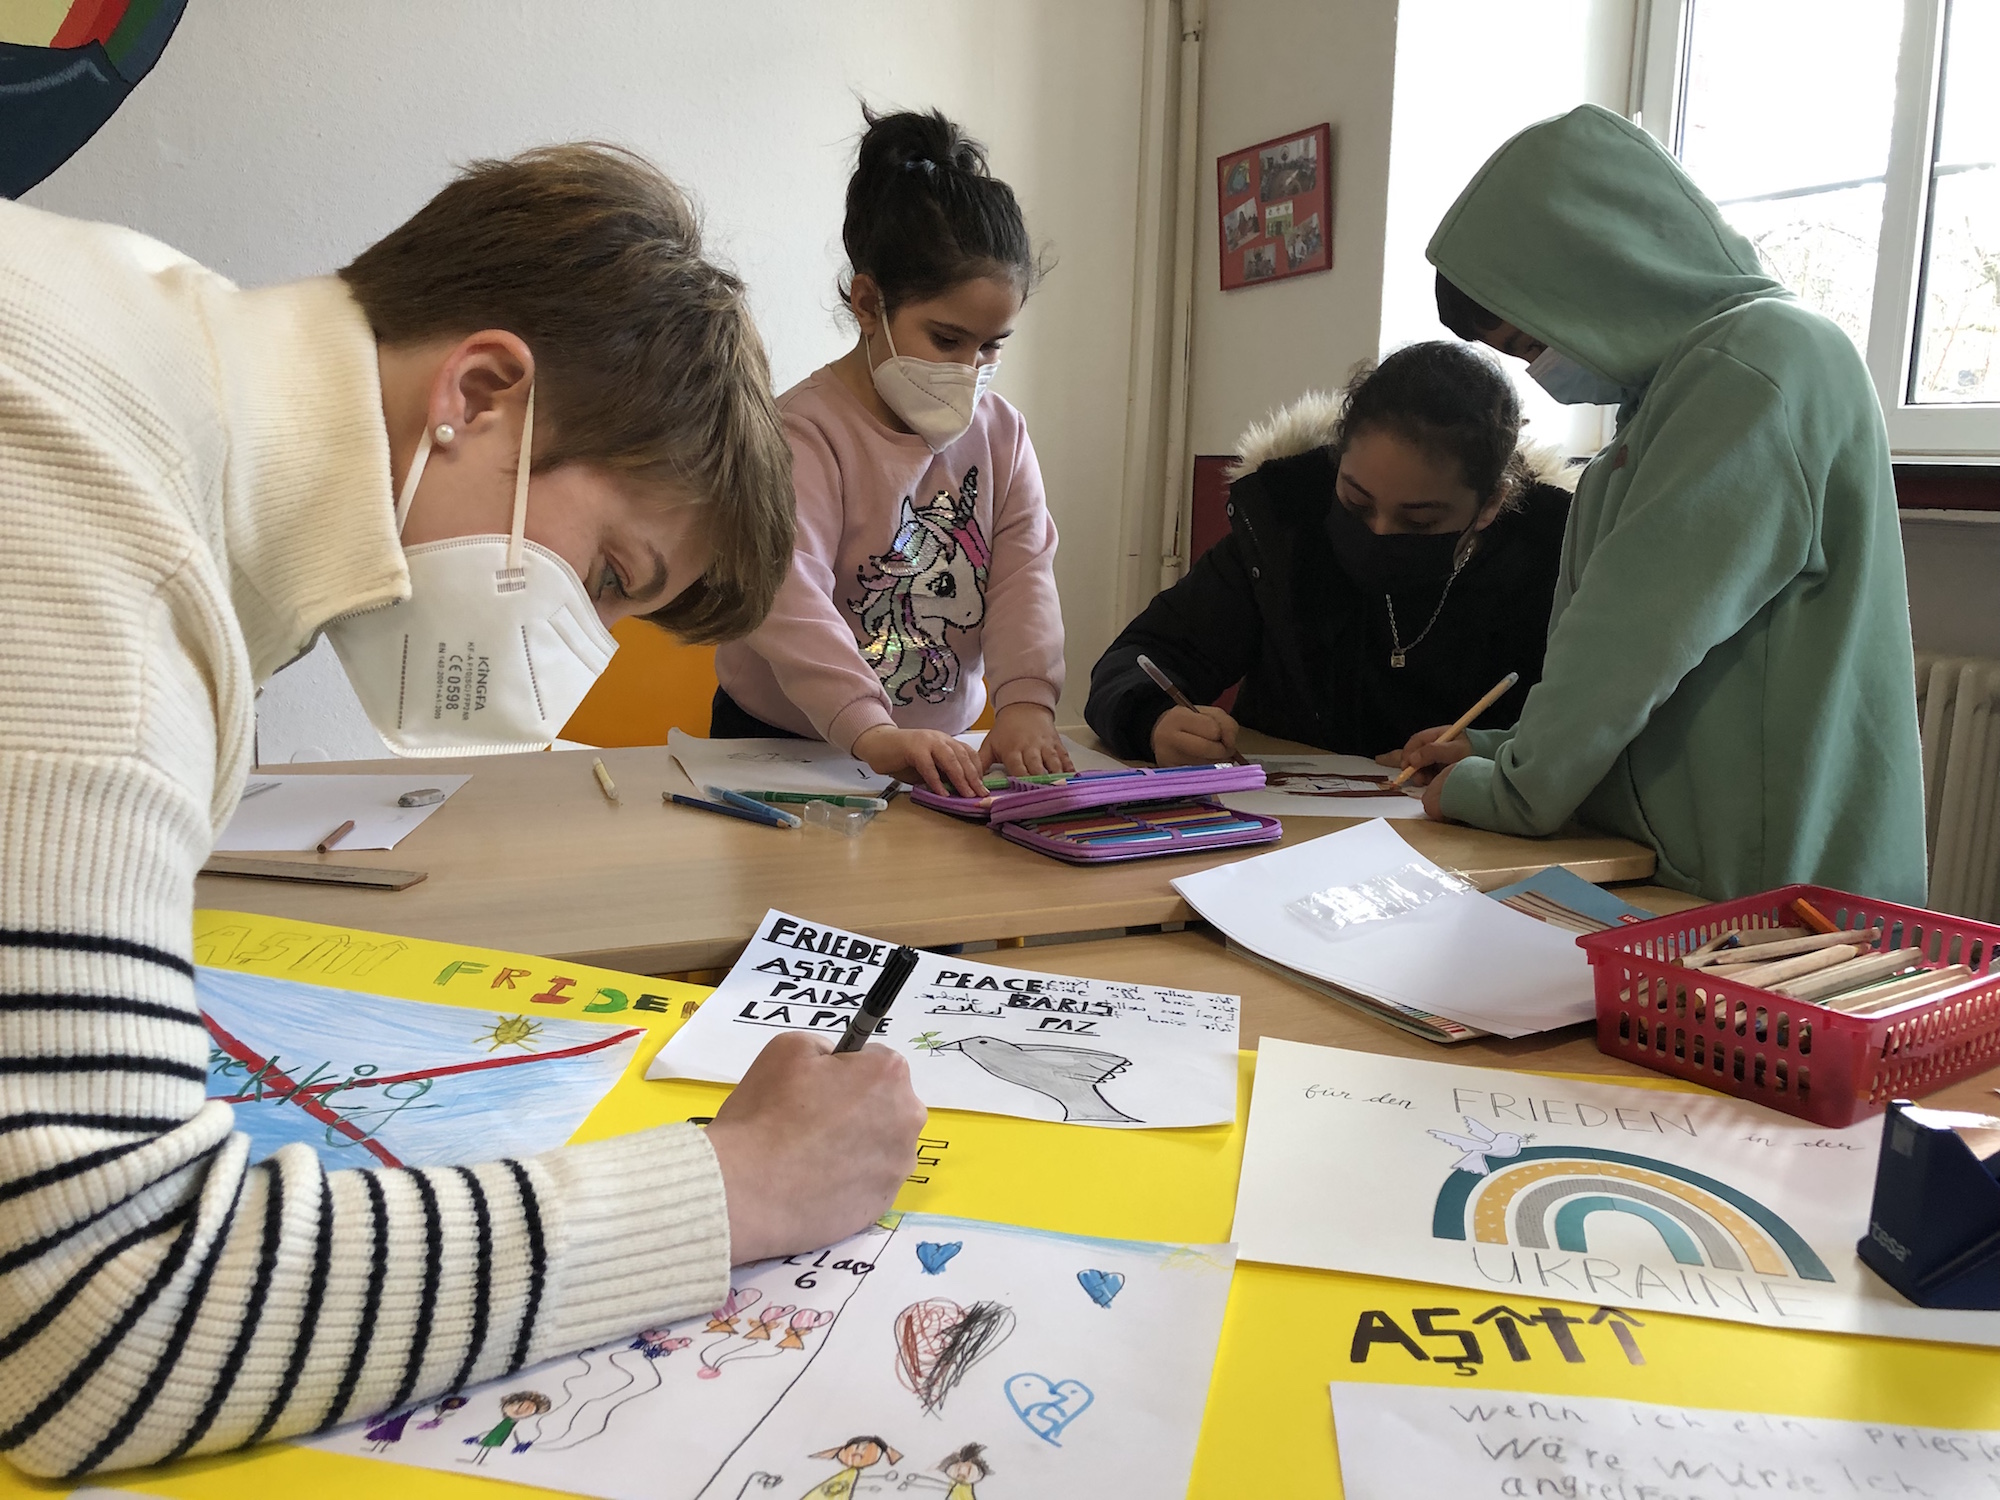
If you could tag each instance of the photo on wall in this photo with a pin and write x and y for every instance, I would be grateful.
(1288, 168)
(1240, 226)
(1274, 208)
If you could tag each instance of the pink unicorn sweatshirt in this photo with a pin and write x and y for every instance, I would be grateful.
(917, 581)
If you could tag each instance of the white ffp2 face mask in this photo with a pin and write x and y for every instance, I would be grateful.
(493, 650)
(1571, 384)
(935, 400)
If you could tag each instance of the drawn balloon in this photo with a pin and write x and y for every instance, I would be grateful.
(938, 1342)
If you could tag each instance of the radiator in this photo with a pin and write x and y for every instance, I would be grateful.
(1958, 704)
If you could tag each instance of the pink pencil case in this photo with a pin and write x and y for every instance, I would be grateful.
(1099, 817)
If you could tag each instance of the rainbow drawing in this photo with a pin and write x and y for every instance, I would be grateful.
(1543, 1197)
(65, 67)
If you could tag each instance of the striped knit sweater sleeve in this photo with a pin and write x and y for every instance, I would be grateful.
(192, 481)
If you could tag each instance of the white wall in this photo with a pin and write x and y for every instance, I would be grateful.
(274, 141)
(1469, 74)
(1269, 67)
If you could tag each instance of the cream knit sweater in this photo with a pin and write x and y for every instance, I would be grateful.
(193, 480)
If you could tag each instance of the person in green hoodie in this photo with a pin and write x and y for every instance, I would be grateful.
(1729, 675)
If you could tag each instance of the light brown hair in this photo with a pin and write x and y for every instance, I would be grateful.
(646, 359)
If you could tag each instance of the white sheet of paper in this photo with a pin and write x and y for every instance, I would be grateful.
(1080, 1365)
(773, 766)
(1310, 786)
(295, 812)
(1082, 757)
(1461, 956)
(978, 1037)
(1547, 1188)
(1398, 1441)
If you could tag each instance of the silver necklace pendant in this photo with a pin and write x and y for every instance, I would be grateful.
(1395, 658)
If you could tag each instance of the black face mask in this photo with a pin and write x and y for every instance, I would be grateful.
(1400, 563)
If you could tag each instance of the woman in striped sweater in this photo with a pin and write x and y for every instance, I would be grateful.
(195, 481)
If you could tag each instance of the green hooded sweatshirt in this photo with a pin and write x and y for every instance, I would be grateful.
(1729, 674)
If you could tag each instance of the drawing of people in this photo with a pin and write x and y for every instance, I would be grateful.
(514, 1408)
(854, 1455)
(442, 1410)
(962, 1470)
(388, 1429)
(932, 579)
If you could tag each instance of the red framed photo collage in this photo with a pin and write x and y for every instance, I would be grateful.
(1275, 208)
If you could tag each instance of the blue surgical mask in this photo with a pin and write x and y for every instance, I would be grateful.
(1572, 384)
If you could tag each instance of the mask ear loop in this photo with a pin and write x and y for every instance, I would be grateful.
(514, 577)
(409, 490)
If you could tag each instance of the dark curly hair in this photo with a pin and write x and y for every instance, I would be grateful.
(1451, 403)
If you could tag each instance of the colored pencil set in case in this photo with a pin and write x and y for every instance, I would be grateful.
(1097, 817)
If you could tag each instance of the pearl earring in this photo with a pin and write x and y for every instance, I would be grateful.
(444, 434)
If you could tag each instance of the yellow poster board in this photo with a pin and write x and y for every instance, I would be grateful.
(1268, 1431)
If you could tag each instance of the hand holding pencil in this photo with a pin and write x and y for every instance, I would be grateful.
(1441, 743)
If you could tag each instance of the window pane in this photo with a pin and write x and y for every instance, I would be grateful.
(1958, 318)
(1785, 124)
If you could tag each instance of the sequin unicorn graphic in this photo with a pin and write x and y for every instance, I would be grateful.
(932, 579)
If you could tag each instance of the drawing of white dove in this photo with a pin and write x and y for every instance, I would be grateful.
(1480, 1144)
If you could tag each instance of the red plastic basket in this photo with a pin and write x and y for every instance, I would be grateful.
(1820, 1064)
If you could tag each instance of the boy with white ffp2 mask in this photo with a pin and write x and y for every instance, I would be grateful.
(924, 569)
(199, 479)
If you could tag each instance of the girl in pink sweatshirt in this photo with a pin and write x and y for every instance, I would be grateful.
(923, 574)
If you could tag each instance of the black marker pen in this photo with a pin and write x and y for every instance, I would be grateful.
(875, 1004)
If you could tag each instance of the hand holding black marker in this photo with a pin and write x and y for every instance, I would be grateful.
(875, 1004)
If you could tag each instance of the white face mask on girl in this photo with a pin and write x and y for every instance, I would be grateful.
(1572, 384)
(935, 400)
(493, 650)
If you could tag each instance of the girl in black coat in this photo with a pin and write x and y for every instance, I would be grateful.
(1391, 555)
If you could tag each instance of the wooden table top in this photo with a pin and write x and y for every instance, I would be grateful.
(1273, 1006)
(530, 857)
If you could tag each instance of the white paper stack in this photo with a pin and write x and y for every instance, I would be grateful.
(1458, 955)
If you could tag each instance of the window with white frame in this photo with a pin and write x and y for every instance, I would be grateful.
(1856, 143)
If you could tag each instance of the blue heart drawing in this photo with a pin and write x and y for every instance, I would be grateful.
(935, 1256)
(1047, 1406)
(1102, 1285)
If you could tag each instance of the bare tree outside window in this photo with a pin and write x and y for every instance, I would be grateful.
(1958, 315)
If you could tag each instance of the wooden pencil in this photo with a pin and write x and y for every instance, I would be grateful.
(1847, 976)
(1917, 987)
(1793, 946)
(1493, 695)
(1736, 941)
(1763, 976)
(1166, 685)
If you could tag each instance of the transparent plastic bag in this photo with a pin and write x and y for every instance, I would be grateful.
(1333, 911)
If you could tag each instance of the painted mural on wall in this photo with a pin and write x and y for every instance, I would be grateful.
(65, 67)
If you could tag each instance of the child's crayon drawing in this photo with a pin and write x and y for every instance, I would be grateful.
(1091, 1052)
(938, 1342)
(370, 1081)
(842, 1375)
